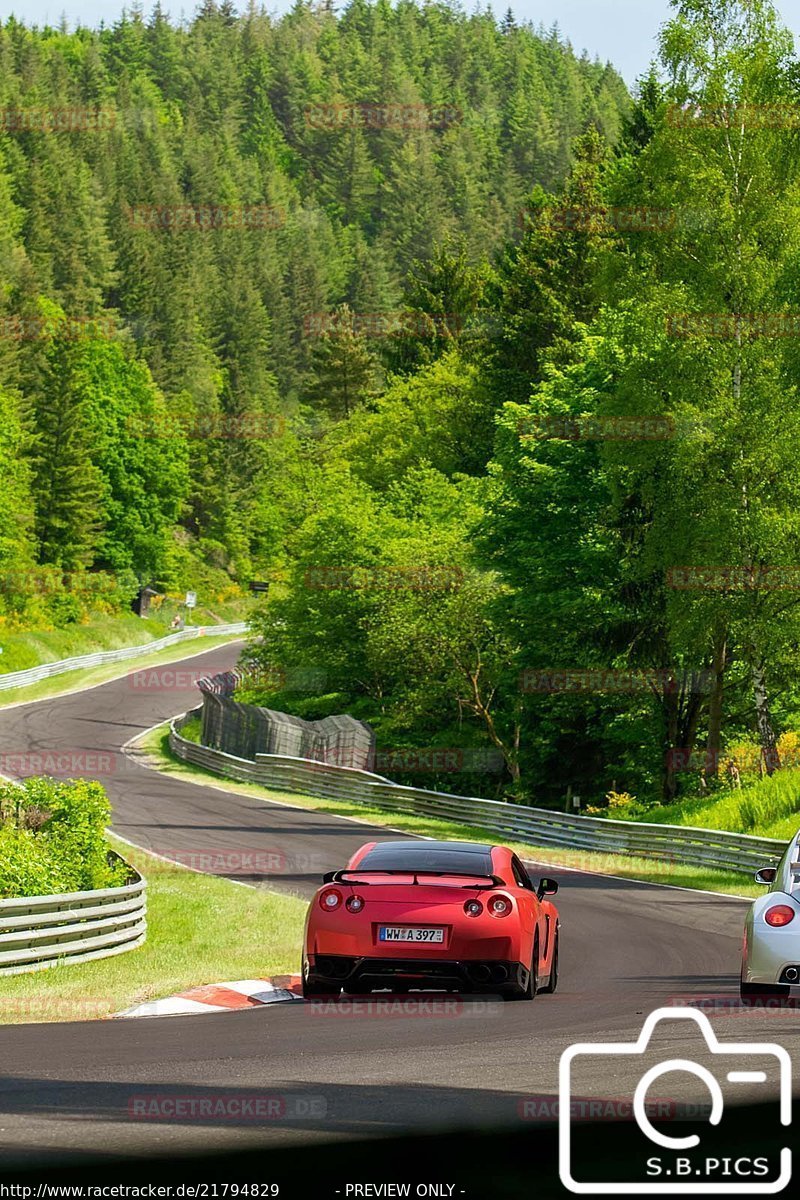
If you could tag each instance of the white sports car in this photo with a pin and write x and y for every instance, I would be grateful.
(771, 949)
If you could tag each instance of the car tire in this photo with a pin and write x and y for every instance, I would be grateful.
(312, 988)
(529, 992)
(317, 990)
(552, 982)
(756, 995)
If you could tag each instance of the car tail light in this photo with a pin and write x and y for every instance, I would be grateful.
(354, 903)
(781, 914)
(499, 906)
(330, 900)
(473, 908)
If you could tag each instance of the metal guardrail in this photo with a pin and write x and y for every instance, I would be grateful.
(37, 932)
(710, 848)
(46, 670)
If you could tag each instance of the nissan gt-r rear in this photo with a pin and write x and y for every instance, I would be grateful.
(454, 916)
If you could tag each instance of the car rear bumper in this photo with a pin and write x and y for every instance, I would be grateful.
(491, 975)
(771, 959)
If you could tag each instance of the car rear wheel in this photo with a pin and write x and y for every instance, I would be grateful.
(528, 993)
(758, 995)
(552, 982)
(313, 987)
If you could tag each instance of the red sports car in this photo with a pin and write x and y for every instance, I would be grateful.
(454, 916)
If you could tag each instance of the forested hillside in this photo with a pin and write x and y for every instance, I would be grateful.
(569, 536)
(182, 212)
(488, 369)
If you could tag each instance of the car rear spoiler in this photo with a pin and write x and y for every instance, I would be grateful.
(494, 880)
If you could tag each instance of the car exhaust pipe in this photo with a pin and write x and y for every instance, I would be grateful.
(791, 973)
(480, 973)
(499, 973)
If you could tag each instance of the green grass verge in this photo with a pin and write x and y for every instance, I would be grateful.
(31, 647)
(201, 929)
(77, 681)
(155, 747)
(769, 808)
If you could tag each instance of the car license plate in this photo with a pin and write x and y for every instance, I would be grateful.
(412, 933)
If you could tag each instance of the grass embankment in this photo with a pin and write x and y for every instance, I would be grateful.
(24, 648)
(201, 929)
(155, 746)
(768, 808)
(75, 681)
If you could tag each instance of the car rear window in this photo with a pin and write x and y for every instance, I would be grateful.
(402, 856)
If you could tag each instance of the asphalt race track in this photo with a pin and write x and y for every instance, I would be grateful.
(341, 1071)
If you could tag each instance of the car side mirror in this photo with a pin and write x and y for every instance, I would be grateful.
(766, 875)
(547, 887)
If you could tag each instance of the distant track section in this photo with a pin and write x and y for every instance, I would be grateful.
(101, 657)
